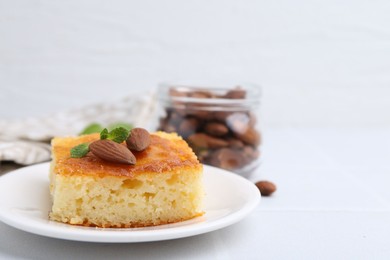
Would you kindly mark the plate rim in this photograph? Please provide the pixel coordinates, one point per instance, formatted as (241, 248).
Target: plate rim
(147, 234)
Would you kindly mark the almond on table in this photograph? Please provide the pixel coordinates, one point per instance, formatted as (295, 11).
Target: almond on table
(266, 187)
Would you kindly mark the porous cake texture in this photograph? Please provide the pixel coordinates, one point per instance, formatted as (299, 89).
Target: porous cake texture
(164, 186)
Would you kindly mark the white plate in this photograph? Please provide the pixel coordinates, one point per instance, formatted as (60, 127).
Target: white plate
(25, 204)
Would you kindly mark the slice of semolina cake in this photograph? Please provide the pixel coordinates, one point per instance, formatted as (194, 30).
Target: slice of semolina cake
(164, 186)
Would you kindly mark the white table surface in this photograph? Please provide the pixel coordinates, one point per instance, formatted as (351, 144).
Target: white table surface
(332, 202)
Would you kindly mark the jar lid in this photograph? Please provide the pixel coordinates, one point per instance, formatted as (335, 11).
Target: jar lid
(210, 96)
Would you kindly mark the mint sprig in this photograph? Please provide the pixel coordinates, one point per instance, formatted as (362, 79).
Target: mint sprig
(92, 128)
(120, 124)
(80, 150)
(104, 134)
(117, 135)
(97, 128)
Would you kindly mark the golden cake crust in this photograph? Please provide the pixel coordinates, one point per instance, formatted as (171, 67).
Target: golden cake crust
(166, 153)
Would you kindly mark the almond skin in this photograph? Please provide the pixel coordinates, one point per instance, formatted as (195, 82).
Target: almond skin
(251, 137)
(112, 152)
(216, 129)
(201, 140)
(237, 93)
(138, 140)
(266, 187)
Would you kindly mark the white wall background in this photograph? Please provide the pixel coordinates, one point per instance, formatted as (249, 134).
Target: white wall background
(321, 63)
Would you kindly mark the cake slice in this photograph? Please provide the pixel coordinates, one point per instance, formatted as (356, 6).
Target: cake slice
(164, 186)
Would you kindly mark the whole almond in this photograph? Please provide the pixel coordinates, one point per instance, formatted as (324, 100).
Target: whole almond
(251, 137)
(174, 92)
(250, 152)
(235, 143)
(221, 115)
(237, 93)
(202, 140)
(266, 187)
(111, 151)
(201, 94)
(216, 129)
(188, 126)
(198, 112)
(228, 159)
(138, 140)
(238, 122)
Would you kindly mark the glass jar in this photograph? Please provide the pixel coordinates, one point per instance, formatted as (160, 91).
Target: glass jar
(220, 123)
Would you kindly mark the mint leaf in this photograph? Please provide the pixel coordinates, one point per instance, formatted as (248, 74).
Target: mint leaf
(120, 124)
(80, 150)
(104, 134)
(91, 128)
(97, 128)
(118, 135)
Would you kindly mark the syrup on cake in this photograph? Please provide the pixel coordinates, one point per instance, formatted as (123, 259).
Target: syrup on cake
(164, 186)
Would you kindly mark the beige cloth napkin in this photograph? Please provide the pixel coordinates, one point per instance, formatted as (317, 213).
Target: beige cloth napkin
(27, 141)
